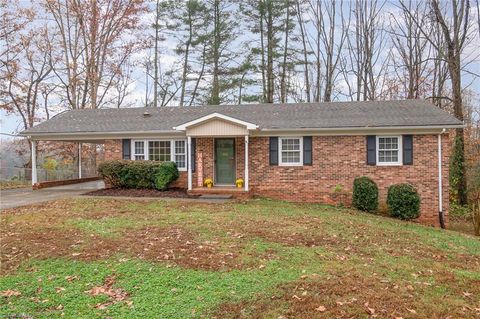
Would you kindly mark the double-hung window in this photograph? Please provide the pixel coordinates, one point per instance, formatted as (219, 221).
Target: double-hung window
(138, 150)
(290, 151)
(161, 151)
(389, 150)
(180, 152)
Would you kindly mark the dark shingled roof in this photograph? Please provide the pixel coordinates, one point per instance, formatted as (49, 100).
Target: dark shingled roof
(266, 116)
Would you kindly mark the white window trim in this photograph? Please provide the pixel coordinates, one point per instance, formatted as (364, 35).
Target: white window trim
(400, 151)
(146, 150)
(280, 163)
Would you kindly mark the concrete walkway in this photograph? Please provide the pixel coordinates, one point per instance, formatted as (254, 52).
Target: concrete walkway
(11, 198)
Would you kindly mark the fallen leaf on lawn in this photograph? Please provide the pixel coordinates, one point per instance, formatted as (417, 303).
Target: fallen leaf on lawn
(320, 308)
(59, 289)
(369, 310)
(412, 311)
(59, 307)
(71, 278)
(114, 294)
(10, 293)
(296, 297)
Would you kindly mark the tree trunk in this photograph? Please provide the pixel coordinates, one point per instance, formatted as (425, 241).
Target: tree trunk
(185, 62)
(305, 54)
(270, 78)
(155, 56)
(283, 87)
(215, 98)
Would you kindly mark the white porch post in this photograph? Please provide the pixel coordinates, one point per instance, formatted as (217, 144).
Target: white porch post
(79, 160)
(34, 162)
(246, 163)
(189, 162)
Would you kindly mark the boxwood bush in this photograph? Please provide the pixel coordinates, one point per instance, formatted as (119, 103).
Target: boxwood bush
(365, 194)
(403, 201)
(166, 174)
(138, 174)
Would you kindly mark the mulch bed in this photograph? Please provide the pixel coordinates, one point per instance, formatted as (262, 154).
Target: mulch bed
(173, 192)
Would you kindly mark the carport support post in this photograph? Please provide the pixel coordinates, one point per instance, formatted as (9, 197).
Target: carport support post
(246, 163)
(189, 162)
(34, 162)
(79, 160)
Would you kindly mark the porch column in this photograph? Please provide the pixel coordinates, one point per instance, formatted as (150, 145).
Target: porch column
(246, 163)
(189, 162)
(79, 160)
(34, 162)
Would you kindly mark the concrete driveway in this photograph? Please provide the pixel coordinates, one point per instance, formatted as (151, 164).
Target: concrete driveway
(10, 198)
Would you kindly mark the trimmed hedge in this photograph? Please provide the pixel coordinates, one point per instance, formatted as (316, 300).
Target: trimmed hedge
(365, 194)
(167, 173)
(403, 201)
(138, 174)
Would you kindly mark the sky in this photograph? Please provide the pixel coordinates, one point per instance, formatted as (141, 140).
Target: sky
(11, 124)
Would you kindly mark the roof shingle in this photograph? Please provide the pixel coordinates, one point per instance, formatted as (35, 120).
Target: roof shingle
(266, 116)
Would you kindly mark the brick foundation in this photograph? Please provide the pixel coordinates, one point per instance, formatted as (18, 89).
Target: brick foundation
(337, 160)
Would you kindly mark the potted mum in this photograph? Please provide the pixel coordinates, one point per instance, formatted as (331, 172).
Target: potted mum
(208, 182)
(239, 183)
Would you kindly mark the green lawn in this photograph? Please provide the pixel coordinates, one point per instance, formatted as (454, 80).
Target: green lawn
(99, 258)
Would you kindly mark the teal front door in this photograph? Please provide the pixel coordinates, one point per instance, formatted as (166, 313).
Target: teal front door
(225, 161)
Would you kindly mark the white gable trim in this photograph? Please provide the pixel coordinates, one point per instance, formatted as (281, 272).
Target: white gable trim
(249, 126)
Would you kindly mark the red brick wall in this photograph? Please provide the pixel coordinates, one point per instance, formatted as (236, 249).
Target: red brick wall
(337, 160)
(113, 150)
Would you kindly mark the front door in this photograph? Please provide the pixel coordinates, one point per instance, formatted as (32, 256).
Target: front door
(225, 161)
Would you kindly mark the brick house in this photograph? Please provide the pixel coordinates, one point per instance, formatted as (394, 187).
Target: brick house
(305, 152)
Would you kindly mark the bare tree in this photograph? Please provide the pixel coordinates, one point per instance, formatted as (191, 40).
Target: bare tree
(90, 40)
(454, 27)
(412, 50)
(365, 45)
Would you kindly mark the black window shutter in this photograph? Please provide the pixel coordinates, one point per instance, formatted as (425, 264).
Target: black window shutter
(407, 149)
(371, 150)
(192, 156)
(273, 150)
(307, 150)
(126, 149)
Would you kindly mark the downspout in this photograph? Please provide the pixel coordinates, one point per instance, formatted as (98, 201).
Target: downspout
(441, 216)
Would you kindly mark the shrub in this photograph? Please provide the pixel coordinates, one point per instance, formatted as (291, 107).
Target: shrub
(138, 174)
(457, 177)
(403, 201)
(111, 172)
(167, 173)
(365, 194)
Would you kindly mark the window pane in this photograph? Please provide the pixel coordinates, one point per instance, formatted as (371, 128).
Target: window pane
(180, 160)
(139, 147)
(180, 154)
(139, 157)
(290, 144)
(159, 151)
(179, 147)
(291, 157)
